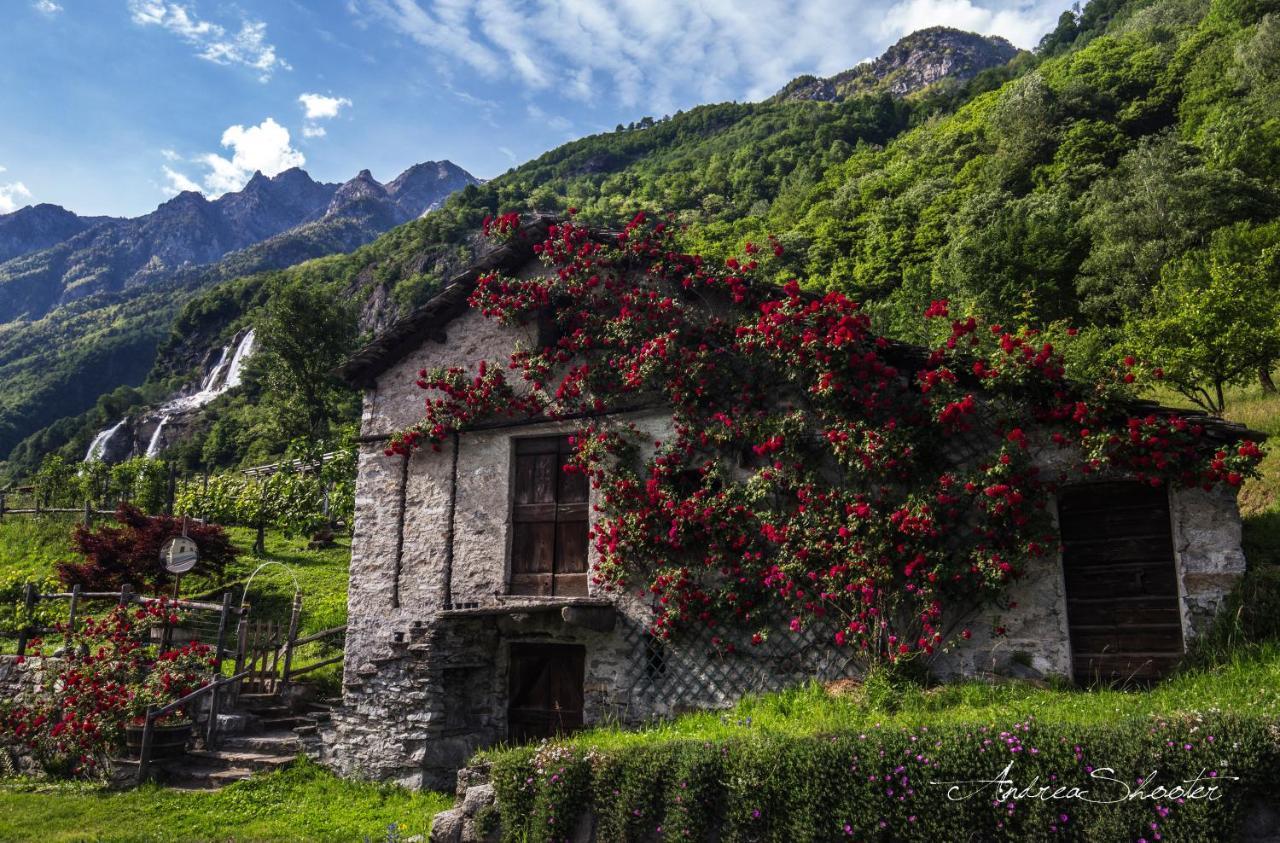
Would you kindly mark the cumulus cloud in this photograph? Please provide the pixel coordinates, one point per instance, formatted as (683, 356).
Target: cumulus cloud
(697, 51)
(320, 107)
(213, 42)
(266, 147)
(12, 195)
(47, 7)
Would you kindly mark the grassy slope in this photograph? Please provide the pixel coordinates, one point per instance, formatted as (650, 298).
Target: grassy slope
(1247, 685)
(302, 803)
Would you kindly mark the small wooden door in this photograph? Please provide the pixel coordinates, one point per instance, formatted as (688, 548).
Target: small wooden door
(1121, 582)
(545, 697)
(549, 518)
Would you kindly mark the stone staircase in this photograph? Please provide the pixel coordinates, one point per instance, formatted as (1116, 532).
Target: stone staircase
(266, 735)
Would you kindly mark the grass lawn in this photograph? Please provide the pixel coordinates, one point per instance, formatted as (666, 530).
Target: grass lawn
(1248, 684)
(301, 803)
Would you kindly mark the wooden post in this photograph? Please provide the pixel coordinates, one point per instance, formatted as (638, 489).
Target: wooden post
(293, 636)
(173, 487)
(222, 632)
(2, 506)
(28, 607)
(260, 543)
(88, 514)
(126, 594)
(71, 619)
(242, 641)
(144, 755)
(211, 728)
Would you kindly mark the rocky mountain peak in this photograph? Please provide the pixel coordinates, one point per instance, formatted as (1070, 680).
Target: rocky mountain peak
(37, 227)
(915, 62)
(422, 187)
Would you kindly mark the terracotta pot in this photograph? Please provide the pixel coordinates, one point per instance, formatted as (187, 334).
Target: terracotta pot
(166, 741)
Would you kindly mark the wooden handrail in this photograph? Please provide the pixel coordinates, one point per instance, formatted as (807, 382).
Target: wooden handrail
(316, 636)
(154, 714)
(298, 671)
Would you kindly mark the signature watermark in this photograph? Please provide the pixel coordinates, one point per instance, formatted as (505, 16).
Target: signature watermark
(1103, 788)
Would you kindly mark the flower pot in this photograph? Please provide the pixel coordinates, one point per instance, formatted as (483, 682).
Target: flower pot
(166, 741)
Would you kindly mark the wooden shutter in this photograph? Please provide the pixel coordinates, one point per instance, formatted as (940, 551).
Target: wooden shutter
(549, 518)
(545, 691)
(1121, 582)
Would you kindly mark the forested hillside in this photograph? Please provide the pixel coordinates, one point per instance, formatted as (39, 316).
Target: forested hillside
(1124, 180)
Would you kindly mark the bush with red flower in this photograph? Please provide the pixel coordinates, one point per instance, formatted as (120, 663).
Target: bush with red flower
(816, 471)
(105, 677)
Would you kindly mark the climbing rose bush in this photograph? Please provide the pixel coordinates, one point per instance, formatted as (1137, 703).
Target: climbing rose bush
(106, 677)
(816, 471)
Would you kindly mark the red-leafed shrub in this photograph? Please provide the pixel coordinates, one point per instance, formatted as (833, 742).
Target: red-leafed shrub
(129, 551)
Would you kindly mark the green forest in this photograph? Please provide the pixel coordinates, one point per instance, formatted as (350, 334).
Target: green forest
(1122, 181)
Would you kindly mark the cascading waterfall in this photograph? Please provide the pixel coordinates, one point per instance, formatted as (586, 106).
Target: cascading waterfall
(153, 447)
(236, 370)
(225, 375)
(99, 443)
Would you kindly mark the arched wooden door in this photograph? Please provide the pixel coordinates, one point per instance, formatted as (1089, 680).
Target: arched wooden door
(1121, 582)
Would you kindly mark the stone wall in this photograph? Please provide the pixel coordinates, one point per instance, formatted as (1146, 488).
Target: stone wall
(22, 680)
(1206, 544)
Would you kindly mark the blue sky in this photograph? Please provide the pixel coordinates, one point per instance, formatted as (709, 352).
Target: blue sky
(111, 106)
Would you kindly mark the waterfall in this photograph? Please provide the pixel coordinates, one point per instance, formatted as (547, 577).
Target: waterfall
(153, 447)
(234, 371)
(225, 375)
(99, 444)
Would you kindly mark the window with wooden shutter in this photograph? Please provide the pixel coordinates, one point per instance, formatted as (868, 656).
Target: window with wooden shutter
(549, 520)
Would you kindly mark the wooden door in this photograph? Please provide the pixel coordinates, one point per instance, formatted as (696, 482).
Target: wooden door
(545, 691)
(1121, 582)
(549, 518)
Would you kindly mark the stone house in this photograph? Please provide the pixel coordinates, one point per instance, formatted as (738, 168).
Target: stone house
(472, 618)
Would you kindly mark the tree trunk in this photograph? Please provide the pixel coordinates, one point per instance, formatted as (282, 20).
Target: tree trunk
(1264, 378)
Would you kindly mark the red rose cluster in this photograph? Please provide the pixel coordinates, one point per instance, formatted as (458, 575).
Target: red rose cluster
(815, 469)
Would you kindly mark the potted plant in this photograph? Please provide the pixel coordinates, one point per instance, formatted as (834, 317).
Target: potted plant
(174, 674)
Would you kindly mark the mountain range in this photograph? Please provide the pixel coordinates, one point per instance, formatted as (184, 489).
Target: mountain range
(85, 300)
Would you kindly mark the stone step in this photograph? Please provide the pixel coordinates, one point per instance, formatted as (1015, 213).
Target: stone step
(206, 778)
(265, 711)
(273, 724)
(227, 758)
(280, 742)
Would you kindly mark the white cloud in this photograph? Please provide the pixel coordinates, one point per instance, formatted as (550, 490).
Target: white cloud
(1024, 26)
(47, 7)
(11, 196)
(690, 52)
(266, 147)
(320, 107)
(248, 46)
(176, 182)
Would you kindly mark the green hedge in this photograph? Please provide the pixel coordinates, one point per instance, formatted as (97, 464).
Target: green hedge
(879, 784)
